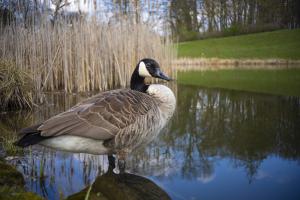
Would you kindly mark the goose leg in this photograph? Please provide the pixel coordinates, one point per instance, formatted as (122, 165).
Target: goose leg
(111, 162)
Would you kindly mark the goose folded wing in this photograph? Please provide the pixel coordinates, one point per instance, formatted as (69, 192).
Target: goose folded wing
(100, 117)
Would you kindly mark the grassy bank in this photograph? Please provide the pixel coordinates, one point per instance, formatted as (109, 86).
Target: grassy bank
(284, 44)
(281, 82)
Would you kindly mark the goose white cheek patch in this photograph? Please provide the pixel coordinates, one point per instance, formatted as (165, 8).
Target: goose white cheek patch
(143, 70)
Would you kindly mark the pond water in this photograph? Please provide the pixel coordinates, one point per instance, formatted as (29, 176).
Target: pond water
(220, 144)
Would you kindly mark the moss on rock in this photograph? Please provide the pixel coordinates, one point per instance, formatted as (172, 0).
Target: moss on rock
(9, 176)
(12, 184)
(125, 186)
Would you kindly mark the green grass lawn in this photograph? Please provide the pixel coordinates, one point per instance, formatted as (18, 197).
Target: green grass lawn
(278, 44)
(281, 82)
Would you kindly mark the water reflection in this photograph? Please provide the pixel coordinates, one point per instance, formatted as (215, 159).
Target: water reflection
(58, 174)
(213, 132)
(244, 127)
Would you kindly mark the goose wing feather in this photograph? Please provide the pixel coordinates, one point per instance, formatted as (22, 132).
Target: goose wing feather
(100, 117)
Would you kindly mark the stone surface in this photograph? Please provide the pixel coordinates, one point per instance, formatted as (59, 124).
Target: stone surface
(12, 184)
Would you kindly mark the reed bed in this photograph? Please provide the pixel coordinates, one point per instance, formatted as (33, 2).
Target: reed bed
(84, 55)
(188, 64)
(15, 87)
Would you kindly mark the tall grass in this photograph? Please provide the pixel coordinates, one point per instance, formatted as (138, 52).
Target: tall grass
(84, 55)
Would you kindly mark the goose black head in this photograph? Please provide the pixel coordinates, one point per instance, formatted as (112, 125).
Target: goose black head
(147, 67)
(150, 68)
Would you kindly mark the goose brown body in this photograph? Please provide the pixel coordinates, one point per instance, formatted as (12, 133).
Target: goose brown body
(111, 122)
(122, 115)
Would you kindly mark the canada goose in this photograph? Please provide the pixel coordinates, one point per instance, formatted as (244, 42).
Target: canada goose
(112, 122)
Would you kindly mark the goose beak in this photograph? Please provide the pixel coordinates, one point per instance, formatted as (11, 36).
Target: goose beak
(161, 75)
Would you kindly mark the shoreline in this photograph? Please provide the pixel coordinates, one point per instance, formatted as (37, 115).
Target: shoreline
(185, 64)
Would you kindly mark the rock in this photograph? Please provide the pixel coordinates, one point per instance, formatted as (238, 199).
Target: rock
(121, 186)
(9, 176)
(12, 184)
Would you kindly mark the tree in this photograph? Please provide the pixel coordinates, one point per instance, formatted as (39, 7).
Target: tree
(184, 19)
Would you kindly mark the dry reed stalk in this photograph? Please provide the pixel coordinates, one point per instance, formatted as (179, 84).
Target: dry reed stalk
(85, 56)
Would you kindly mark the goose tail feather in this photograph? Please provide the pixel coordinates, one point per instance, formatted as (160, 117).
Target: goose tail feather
(30, 136)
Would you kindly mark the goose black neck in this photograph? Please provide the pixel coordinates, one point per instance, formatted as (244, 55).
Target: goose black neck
(137, 82)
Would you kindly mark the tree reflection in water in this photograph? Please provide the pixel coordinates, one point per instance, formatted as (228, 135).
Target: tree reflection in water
(209, 125)
(212, 124)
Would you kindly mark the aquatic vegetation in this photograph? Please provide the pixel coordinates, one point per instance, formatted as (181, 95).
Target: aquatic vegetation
(15, 87)
(7, 140)
(8, 146)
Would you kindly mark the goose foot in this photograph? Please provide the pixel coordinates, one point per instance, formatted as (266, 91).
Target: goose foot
(121, 165)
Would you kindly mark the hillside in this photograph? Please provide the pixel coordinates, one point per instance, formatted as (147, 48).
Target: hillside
(284, 44)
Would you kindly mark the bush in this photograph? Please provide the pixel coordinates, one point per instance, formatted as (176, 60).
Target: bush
(15, 87)
(187, 35)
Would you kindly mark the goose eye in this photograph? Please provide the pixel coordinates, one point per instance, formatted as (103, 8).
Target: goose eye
(148, 67)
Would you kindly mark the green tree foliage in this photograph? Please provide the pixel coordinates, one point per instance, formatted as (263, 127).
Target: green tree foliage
(187, 19)
(183, 19)
(192, 19)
